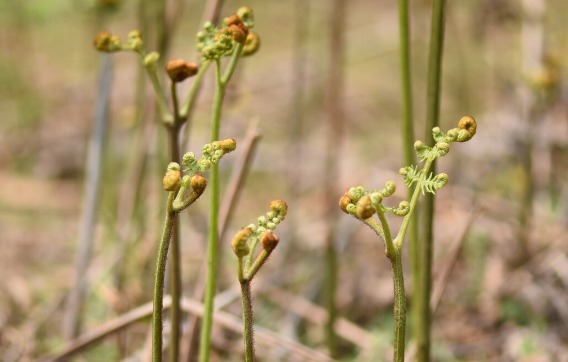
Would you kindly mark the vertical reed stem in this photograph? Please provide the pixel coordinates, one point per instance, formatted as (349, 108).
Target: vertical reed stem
(432, 120)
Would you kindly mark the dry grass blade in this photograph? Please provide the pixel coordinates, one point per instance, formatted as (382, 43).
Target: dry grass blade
(224, 319)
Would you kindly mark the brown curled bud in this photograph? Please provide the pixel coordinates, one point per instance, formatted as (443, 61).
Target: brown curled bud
(344, 201)
(279, 206)
(106, 42)
(228, 145)
(252, 44)
(468, 124)
(198, 184)
(171, 179)
(178, 70)
(269, 240)
(233, 20)
(239, 242)
(364, 208)
(238, 34)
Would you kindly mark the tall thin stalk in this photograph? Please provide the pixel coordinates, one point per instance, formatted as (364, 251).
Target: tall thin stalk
(175, 260)
(407, 128)
(426, 246)
(213, 232)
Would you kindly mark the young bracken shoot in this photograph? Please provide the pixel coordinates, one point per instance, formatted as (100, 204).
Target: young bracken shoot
(178, 200)
(364, 204)
(244, 244)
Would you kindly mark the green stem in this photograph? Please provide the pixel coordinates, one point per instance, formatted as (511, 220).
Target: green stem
(394, 253)
(413, 203)
(232, 64)
(387, 234)
(408, 140)
(258, 263)
(253, 243)
(175, 261)
(165, 114)
(432, 120)
(157, 324)
(406, 80)
(192, 95)
(247, 320)
(212, 242)
(399, 306)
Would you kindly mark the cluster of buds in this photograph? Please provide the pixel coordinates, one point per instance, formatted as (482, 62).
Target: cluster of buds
(107, 42)
(173, 182)
(363, 203)
(238, 29)
(214, 43)
(246, 240)
(212, 153)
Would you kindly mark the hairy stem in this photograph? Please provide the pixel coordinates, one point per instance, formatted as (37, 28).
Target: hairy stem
(399, 306)
(432, 120)
(394, 253)
(157, 323)
(247, 320)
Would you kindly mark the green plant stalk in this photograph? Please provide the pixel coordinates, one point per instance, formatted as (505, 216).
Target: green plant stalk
(258, 263)
(157, 323)
(192, 95)
(175, 259)
(247, 320)
(399, 306)
(212, 242)
(246, 300)
(426, 247)
(406, 80)
(165, 114)
(408, 140)
(394, 253)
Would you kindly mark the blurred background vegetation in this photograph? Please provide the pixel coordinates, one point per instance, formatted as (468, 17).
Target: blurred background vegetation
(505, 295)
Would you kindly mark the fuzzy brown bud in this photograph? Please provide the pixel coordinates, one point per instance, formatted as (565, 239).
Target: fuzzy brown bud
(364, 208)
(239, 242)
(198, 184)
(233, 20)
(269, 240)
(468, 124)
(179, 70)
(228, 145)
(279, 206)
(106, 42)
(238, 34)
(171, 179)
(344, 201)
